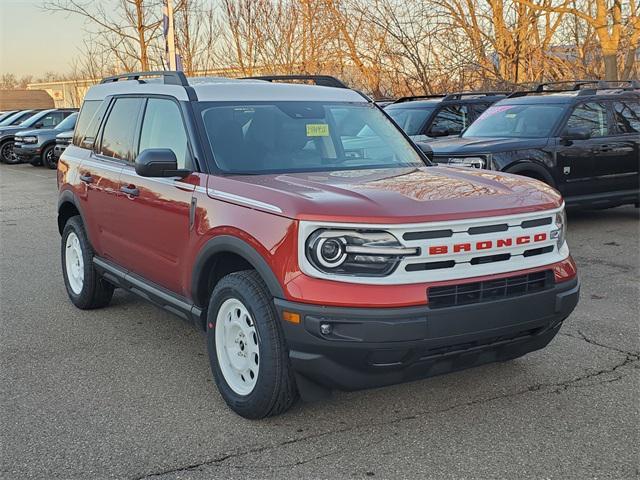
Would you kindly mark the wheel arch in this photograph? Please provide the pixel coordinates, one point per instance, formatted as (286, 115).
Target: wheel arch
(230, 254)
(529, 166)
(68, 207)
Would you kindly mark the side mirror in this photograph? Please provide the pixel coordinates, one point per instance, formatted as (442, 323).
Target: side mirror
(426, 149)
(38, 125)
(439, 132)
(577, 134)
(159, 162)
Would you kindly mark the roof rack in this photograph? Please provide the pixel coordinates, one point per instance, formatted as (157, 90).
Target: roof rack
(577, 86)
(169, 77)
(321, 80)
(448, 96)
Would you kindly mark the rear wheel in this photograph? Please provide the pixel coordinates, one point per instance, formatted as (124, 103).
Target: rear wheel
(48, 159)
(86, 289)
(248, 355)
(6, 153)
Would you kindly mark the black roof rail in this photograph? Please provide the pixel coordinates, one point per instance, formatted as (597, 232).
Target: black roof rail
(409, 98)
(169, 77)
(577, 86)
(321, 80)
(459, 95)
(448, 96)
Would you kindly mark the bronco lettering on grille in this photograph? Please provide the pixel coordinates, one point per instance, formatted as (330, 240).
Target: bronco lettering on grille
(487, 244)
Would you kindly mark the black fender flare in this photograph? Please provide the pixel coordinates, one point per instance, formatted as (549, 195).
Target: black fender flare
(530, 166)
(230, 244)
(67, 196)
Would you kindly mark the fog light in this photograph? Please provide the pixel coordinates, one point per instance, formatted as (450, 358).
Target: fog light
(325, 328)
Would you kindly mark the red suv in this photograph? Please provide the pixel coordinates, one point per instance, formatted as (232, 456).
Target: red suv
(311, 240)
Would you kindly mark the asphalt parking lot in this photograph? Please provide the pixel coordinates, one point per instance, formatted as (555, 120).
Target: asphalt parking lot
(126, 392)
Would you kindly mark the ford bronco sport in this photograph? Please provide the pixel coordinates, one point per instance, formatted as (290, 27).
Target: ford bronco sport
(303, 232)
(583, 140)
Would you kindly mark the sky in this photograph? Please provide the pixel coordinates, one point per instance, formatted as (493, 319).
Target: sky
(34, 41)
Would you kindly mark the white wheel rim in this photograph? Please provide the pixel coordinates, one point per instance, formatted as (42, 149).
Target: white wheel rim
(74, 263)
(237, 346)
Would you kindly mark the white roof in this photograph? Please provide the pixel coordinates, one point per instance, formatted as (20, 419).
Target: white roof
(225, 89)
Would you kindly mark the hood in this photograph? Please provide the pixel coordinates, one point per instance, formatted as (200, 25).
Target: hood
(41, 132)
(12, 129)
(483, 145)
(396, 195)
(65, 134)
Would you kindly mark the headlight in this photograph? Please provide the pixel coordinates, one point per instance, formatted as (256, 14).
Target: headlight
(475, 162)
(560, 233)
(351, 252)
(29, 139)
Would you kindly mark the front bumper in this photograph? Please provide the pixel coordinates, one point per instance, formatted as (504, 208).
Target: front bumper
(26, 152)
(370, 347)
(58, 149)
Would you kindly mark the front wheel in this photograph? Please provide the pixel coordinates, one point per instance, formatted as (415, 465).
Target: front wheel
(248, 355)
(6, 153)
(85, 287)
(48, 158)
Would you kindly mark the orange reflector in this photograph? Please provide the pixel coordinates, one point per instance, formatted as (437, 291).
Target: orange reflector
(291, 317)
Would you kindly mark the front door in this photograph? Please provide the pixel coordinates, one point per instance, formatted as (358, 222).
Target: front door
(154, 213)
(578, 160)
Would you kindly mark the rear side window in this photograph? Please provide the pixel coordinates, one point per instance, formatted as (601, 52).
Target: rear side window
(117, 136)
(162, 127)
(591, 116)
(627, 116)
(82, 131)
(453, 119)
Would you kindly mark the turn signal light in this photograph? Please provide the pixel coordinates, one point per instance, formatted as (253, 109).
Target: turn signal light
(291, 317)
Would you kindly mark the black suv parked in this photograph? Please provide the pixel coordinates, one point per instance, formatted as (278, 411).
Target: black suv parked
(584, 141)
(426, 117)
(38, 120)
(37, 146)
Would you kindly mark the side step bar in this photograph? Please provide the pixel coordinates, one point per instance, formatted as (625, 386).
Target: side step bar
(151, 292)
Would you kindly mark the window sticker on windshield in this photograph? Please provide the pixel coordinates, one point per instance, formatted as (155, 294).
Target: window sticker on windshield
(510, 115)
(317, 130)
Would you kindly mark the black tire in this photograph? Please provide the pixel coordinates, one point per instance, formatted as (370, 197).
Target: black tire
(6, 153)
(96, 292)
(275, 389)
(48, 158)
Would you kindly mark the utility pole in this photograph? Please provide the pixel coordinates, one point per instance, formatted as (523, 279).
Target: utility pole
(170, 36)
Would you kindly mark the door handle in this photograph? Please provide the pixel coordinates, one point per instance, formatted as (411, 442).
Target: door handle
(86, 178)
(130, 190)
(606, 148)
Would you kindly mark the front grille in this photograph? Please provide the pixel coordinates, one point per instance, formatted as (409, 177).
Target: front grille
(478, 292)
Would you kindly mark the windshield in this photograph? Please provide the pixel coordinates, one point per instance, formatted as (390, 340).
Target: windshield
(5, 115)
(411, 120)
(68, 123)
(28, 121)
(528, 121)
(280, 137)
(16, 118)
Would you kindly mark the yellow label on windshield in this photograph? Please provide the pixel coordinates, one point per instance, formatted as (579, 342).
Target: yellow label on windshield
(317, 130)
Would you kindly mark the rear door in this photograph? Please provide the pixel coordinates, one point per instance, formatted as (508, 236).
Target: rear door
(154, 213)
(100, 172)
(625, 146)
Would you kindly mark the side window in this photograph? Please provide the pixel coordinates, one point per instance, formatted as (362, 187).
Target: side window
(591, 116)
(627, 116)
(162, 127)
(478, 109)
(83, 136)
(51, 119)
(117, 136)
(453, 118)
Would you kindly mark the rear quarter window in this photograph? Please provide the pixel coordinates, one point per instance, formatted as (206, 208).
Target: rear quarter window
(86, 128)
